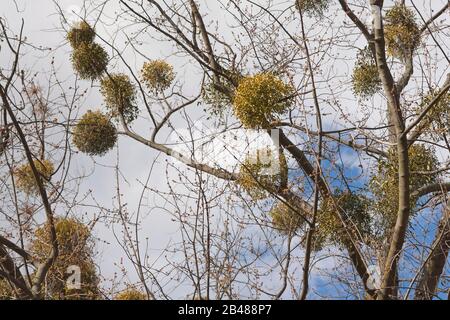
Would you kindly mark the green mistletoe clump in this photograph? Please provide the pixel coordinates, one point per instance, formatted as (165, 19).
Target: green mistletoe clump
(81, 33)
(25, 179)
(120, 96)
(157, 75)
(401, 31)
(365, 79)
(312, 7)
(261, 99)
(75, 246)
(131, 294)
(94, 134)
(285, 219)
(90, 60)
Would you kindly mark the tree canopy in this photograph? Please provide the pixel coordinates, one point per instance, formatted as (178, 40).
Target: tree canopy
(282, 149)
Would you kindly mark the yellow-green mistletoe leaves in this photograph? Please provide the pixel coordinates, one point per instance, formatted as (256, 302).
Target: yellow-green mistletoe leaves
(75, 246)
(423, 164)
(260, 99)
(81, 33)
(89, 60)
(120, 96)
(131, 294)
(157, 75)
(401, 31)
(285, 219)
(72, 237)
(365, 79)
(353, 209)
(261, 173)
(436, 121)
(384, 185)
(25, 179)
(94, 134)
(312, 7)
